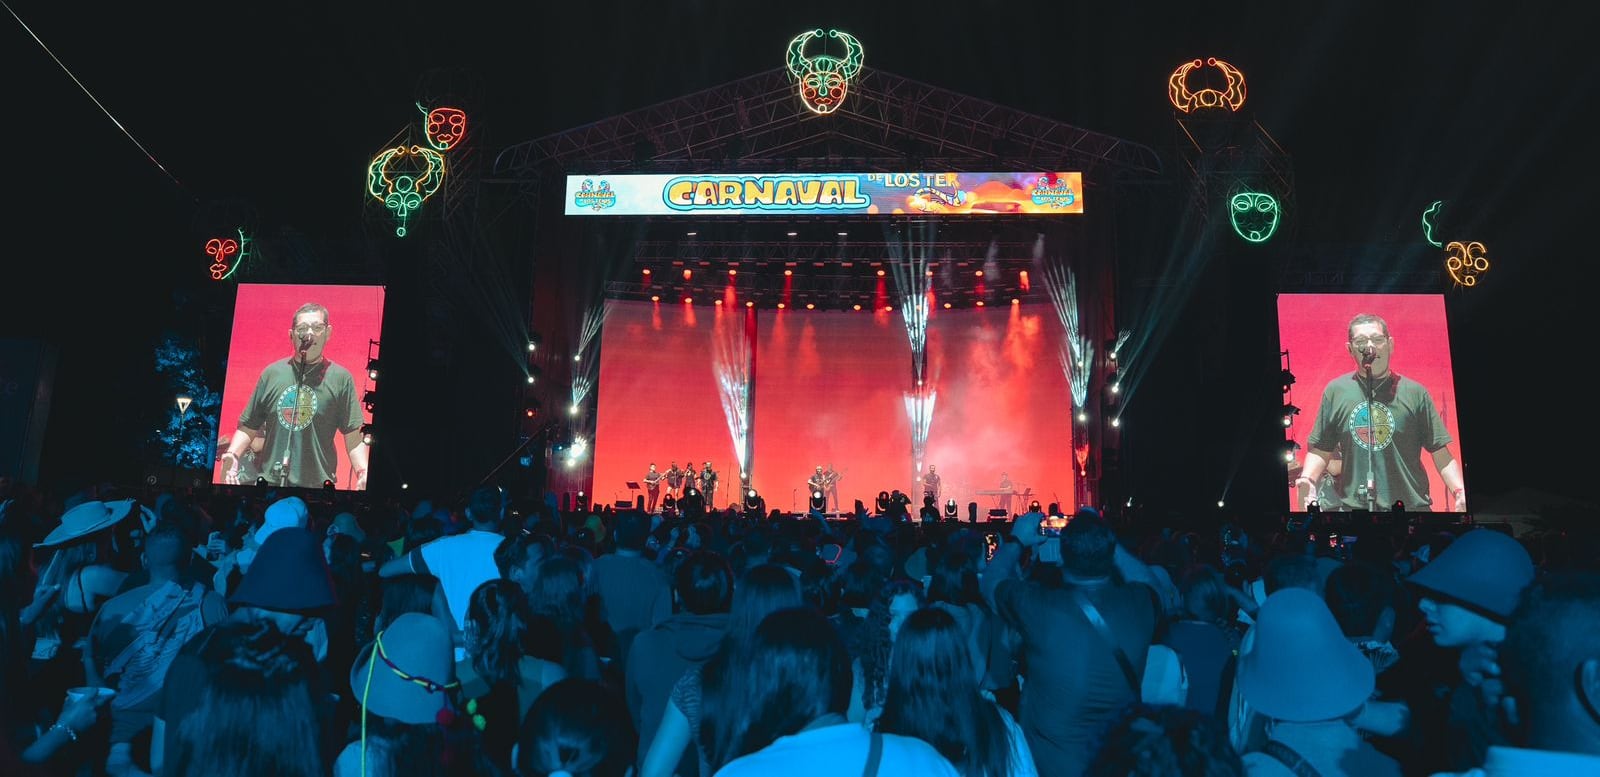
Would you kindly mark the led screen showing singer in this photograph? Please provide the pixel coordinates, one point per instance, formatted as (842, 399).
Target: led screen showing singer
(292, 409)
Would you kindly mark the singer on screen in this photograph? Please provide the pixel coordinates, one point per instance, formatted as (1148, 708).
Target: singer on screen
(299, 405)
(1382, 422)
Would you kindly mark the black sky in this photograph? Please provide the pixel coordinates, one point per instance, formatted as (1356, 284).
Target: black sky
(1384, 107)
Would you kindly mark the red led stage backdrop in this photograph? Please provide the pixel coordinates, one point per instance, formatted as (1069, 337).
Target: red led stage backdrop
(1003, 407)
(659, 400)
(829, 389)
(1412, 416)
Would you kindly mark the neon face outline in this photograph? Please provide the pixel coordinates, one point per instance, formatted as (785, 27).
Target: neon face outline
(444, 127)
(1254, 215)
(1465, 261)
(221, 249)
(824, 80)
(402, 178)
(1184, 100)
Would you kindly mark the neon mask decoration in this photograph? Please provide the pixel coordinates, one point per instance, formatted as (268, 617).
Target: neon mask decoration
(1427, 222)
(824, 80)
(1465, 262)
(221, 250)
(1254, 215)
(445, 127)
(1184, 100)
(404, 177)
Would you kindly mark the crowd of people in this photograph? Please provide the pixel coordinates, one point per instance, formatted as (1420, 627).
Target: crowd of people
(255, 632)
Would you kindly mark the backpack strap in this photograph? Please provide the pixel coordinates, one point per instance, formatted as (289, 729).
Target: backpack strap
(1287, 756)
(1098, 621)
(874, 756)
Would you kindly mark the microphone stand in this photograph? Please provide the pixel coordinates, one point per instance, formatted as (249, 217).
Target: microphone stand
(1372, 452)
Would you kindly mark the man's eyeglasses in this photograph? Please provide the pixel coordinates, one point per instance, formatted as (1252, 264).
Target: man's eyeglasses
(306, 329)
(1377, 341)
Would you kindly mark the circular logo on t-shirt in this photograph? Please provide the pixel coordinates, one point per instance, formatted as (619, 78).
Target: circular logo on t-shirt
(1372, 426)
(297, 405)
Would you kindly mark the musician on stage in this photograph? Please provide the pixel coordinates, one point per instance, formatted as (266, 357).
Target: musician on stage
(930, 483)
(675, 481)
(1007, 488)
(708, 486)
(830, 481)
(652, 488)
(817, 483)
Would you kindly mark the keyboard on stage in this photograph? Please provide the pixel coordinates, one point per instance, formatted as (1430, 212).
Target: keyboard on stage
(996, 492)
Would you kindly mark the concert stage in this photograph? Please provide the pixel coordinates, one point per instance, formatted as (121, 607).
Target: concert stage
(831, 388)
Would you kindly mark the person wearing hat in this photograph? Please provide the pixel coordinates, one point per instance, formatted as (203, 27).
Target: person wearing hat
(404, 680)
(1466, 596)
(288, 584)
(1310, 682)
(1551, 658)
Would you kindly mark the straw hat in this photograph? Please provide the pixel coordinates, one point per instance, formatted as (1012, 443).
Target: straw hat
(86, 519)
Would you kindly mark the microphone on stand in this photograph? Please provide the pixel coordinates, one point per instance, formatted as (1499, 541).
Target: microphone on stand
(1368, 354)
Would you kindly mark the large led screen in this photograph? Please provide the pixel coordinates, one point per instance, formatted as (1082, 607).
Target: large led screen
(292, 407)
(805, 389)
(1377, 403)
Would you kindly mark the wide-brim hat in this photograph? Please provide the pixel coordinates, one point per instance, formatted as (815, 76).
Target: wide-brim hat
(86, 519)
(1483, 569)
(407, 672)
(288, 574)
(1302, 668)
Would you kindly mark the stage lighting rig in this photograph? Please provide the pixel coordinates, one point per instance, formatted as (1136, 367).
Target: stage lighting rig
(951, 509)
(366, 434)
(1289, 412)
(817, 502)
(1286, 378)
(752, 500)
(372, 369)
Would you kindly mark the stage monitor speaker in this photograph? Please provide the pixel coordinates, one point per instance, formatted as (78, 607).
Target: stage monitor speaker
(638, 503)
(622, 504)
(972, 512)
(998, 512)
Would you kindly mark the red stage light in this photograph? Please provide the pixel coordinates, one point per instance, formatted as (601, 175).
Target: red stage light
(749, 304)
(686, 273)
(688, 300)
(980, 303)
(788, 272)
(888, 308)
(979, 273)
(857, 307)
(1023, 279)
(930, 273)
(647, 271)
(946, 306)
(880, 273)
(781, 306)
(1016, 301)
(655, 298)
(733, 272)
(810, 306)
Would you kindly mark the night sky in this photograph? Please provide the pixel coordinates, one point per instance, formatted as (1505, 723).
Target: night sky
(1384, 107)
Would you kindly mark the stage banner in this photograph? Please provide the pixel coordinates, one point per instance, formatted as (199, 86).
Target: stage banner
(790, 194)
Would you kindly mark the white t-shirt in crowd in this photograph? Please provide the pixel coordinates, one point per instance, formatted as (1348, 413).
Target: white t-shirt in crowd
(839, 749)
(462, 563)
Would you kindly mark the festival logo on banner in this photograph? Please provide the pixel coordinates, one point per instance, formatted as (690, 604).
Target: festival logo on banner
(1053, 193)
(595, 197)
(788, 194)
